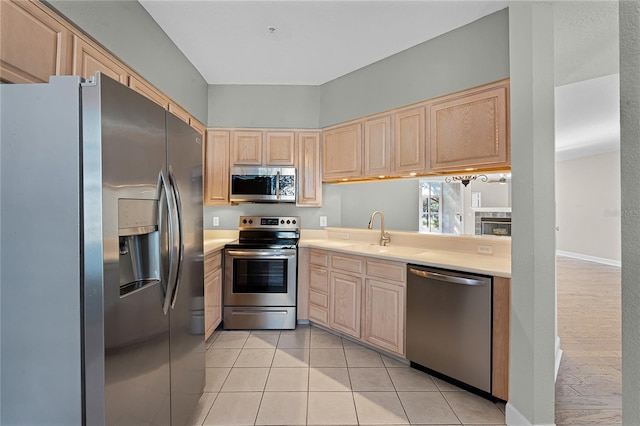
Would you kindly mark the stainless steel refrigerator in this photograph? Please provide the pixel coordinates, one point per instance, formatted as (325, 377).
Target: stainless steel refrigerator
(101, 263)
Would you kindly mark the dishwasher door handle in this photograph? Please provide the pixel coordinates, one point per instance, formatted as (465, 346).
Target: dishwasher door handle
(446, 278)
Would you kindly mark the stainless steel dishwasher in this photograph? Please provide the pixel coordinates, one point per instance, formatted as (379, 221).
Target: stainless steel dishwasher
(449, 324)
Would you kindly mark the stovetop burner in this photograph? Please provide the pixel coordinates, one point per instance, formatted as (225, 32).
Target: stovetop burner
(268, 232)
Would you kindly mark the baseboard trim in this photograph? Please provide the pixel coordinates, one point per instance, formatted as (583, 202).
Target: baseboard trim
(558, 357)
(514, 418)
(603, 260)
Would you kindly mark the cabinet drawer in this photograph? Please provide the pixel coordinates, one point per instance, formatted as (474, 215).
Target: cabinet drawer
(346, 263)
(320, 258)
(212, 261)
(319, 279)
(319, 299)
(392, 271)
(319, 315)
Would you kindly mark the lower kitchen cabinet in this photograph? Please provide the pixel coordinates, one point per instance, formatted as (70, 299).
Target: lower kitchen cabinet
(212, 292)
(319, 295)
(345, 301)
(359, 296)
(384, 311)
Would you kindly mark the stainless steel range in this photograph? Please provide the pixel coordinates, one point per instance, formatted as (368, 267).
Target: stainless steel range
(260, 274)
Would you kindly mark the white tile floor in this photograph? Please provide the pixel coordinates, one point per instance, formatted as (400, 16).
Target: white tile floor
(309, 376)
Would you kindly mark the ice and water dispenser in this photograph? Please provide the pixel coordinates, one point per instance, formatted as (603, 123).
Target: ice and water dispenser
(139, 240)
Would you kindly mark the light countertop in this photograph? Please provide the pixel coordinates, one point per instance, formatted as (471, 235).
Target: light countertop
(449, 252)
(476, 263)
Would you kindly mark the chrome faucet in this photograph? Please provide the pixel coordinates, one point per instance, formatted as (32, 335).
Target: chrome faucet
(384, 236)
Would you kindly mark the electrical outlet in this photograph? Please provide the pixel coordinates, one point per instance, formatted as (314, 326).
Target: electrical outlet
(323, 221)
(216, 221)
(485, 249)
(344, 236)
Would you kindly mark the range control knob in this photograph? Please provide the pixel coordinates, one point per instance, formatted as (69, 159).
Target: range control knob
(244, 221)
(281, 221)
(250, 221)
(293, 221)
(288, 221)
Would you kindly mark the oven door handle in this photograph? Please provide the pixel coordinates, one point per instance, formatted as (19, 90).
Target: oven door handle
(273, 254)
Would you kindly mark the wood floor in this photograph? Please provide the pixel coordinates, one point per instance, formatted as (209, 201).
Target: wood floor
(589, 384)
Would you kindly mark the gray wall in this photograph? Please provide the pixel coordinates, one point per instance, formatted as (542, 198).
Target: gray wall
(588, 206)
(126, 29)
(264, 106)
(533, 275)
(474, 54)
(396, 199)
(309, 217)
(629, 160)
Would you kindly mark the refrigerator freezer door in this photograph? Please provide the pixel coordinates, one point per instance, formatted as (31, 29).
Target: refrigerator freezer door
(126, 332)
(187, 311)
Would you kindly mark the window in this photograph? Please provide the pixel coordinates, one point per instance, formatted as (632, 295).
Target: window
(441, 207)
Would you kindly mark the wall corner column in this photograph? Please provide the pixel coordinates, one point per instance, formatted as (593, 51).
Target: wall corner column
(629, 14)
(533, 311)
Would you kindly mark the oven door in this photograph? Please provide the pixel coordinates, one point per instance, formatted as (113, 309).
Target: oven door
(260, 277)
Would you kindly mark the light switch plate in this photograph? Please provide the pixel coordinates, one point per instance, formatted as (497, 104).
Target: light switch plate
(323, 221)
(216, 221)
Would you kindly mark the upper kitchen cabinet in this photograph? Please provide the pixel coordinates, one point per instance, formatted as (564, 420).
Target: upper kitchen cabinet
(147, 90)
(409, 141)
(179, 112)
(199, 127)
(216, 168)
(263, 148)
(246, 148)
(377, 147)
(470, 129)
(280, 148)
(309, 172)
(342, 152)
(88, 58)
(34, 44)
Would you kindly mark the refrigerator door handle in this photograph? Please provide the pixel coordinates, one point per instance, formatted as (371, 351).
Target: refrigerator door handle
(180, 254)
(173, 265)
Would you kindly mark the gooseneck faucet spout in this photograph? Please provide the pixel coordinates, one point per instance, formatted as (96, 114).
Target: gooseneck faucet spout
(384, 236)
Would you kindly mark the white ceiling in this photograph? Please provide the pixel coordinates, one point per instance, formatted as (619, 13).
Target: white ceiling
(315, 41)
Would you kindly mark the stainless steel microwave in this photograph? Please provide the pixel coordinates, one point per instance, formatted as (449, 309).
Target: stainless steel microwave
(263, 184)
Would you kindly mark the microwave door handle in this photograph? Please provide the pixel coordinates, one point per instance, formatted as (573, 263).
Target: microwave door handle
(278, 184)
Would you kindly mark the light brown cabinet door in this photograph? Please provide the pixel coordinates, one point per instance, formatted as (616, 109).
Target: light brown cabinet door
(246, 148)
(470, 130)
(345, 301)
(87, 59)
(147, 90)
(33, 44)
(342, 152)
(410, 142)
(308, 169)
(384, 315)
(213, 301)
(318, 297)
(280, 148)
(216, 168)
(377, 147)
(199, 127)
